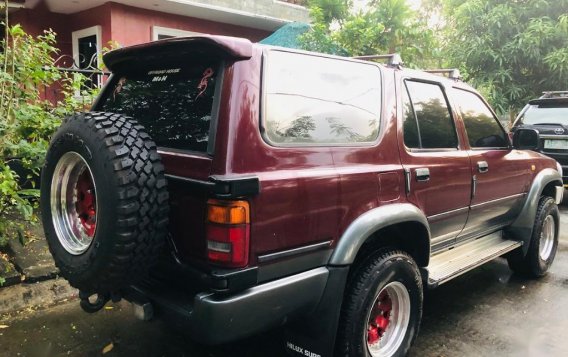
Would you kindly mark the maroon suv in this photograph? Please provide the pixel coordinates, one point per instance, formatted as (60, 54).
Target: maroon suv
(232, 187)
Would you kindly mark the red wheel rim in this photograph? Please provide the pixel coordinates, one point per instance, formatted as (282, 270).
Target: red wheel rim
(387, 320)
(73, 201)
(86, 204)
(380, 318)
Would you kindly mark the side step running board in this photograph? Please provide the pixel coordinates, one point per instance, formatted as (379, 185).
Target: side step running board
(454, 262)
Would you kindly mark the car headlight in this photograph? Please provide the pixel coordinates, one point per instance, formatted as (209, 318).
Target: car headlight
(559, 168)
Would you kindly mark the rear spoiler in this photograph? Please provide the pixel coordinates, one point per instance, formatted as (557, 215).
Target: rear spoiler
(222, 47)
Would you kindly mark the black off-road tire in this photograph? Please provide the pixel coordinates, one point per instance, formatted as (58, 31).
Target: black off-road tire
(366, 281)
(132, 201)
(532, 265)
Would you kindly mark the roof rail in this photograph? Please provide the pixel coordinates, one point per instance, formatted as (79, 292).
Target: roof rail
(453, 73)
(555, 94)
(394, 59)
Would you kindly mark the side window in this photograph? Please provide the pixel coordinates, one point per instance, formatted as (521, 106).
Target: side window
(311, 100)
(410, 125)
(482, 127)
(428, 123)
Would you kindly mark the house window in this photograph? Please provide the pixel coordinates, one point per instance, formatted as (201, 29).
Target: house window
(161, 33)
(86, 47)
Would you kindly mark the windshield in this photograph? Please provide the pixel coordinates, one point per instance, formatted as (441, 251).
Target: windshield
(174, 102)
(545, 115)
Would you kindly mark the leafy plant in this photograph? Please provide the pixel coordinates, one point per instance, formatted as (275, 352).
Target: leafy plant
(383, 26)
(513, 51)
(27, 120)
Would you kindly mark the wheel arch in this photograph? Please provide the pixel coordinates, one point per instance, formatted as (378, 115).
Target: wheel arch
(547, 182)
(400, 225)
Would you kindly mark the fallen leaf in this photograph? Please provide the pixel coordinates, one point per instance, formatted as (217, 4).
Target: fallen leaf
(4, 326)
(108, 348)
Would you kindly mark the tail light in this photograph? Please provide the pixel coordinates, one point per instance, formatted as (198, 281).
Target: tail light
(228, 231)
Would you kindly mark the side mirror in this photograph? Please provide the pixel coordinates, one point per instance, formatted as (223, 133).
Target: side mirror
(526, 139)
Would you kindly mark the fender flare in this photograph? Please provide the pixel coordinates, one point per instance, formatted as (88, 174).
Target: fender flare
(370, 222)
(522, 228)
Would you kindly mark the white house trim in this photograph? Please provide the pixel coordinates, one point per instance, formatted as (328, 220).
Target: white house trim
(89, 31)
(166, 31)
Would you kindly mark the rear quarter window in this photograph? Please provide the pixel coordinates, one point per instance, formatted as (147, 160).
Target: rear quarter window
(310, 100)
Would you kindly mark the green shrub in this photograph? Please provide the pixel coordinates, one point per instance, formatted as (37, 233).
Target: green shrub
(27, 121)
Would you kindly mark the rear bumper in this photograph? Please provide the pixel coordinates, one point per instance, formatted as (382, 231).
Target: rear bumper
(215, 318)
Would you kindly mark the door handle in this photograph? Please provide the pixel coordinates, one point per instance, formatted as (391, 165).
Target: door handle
(422, 174)
(482, 166)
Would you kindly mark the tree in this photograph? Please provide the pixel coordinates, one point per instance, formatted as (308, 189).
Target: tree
(511, 50)
(383, 26)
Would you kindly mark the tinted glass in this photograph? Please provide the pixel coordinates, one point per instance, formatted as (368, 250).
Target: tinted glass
(435, 124)
(315, 100)
(174, 103)
(545, 114)
(410, 126)
(481, 126)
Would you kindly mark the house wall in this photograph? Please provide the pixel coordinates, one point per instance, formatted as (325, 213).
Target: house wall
(124, 24)
(132, 25)
(35, 21)
(121, 23)
(100, 15)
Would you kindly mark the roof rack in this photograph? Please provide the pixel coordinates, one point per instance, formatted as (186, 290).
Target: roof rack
(555, 94)
(394, 59)
(453, 73)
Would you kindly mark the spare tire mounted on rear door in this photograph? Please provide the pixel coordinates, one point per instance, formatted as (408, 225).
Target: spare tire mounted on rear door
(104, 201)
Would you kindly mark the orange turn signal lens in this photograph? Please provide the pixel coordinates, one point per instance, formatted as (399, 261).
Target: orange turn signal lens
(228, 212)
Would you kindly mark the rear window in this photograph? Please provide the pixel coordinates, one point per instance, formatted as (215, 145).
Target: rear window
(174, 102)
(545, 114)
(310, 100)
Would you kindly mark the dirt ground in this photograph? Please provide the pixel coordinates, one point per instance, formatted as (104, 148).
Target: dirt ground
(487, 312)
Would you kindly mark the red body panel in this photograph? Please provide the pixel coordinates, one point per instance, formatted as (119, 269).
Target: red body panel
(312, 194)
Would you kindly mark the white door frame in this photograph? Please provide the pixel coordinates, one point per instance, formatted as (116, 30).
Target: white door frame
(89, 31)
(159, 30)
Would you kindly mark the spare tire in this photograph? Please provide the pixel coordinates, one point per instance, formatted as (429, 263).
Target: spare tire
(104, 201)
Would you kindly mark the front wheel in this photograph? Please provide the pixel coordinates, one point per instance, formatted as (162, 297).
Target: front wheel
(383, 307)
(543, 244)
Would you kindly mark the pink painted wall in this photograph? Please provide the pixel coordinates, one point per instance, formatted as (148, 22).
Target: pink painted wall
(100, 15)
(124, 24)
(131, 25)
(35, 21)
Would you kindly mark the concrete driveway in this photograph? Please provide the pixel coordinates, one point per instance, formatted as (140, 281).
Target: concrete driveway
(487, 312)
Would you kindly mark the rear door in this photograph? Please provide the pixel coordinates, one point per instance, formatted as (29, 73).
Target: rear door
(501, 175)
(176, 99)
(438, 174)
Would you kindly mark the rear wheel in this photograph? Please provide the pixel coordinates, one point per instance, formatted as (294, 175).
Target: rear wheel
(103, 201)
(382, 308)
(543, 243)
